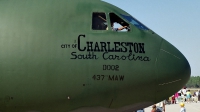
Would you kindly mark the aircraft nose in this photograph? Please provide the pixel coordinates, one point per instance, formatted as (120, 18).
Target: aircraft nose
(172, 71)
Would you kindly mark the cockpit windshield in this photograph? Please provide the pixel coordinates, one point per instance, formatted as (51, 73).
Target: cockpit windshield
(134, 22)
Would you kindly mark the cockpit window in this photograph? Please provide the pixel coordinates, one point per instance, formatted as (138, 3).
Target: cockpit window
(99, 21)
(134, 22)
(121, 24)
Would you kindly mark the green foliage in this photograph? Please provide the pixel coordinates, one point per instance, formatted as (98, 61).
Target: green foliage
(194, 82)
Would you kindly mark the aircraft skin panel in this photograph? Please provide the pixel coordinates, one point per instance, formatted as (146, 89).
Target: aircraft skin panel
(171, 68)
(51, 60)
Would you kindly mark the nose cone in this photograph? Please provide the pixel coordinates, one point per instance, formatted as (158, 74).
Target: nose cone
(172, 71)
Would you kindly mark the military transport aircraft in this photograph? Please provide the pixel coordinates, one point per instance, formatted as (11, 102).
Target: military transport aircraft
(63, 55)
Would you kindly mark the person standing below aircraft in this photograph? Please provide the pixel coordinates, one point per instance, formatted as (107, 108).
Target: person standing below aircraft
(160, 106)
(153, 108)
(183, 91)
(179, 92)
(176, 95)
(199, 96)
(173, 101)
(188, 96)
(182, 107)
(117, 29)
(194, 98)
(197, 93)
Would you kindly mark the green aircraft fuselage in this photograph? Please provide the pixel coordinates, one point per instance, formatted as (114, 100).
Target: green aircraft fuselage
(55, 56)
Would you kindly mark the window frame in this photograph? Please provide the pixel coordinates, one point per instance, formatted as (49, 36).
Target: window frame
(93, 25)
(119, 16)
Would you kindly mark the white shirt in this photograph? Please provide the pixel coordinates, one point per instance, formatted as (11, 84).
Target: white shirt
(197, 93)
(179, 91)
(184, 91)
(183, 109)
(160, 104)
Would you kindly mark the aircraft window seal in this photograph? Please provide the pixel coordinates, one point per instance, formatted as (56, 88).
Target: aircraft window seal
(99, 21)
(118, 24)
(135, 22)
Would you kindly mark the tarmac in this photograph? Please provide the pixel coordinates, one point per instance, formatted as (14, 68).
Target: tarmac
(190, 107)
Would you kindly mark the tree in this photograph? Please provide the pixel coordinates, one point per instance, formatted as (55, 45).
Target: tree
(194, 81)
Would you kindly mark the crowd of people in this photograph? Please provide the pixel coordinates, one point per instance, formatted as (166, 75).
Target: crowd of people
(184, 95)
(158, 108)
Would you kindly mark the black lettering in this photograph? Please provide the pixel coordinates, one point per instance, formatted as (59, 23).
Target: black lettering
(146, 58)
(104, 67)
(130, 44)
(135, 47)
(111, 67)
(121, 77)
(123, 45)
(141, 48)
(63, 46)
(111, 78)
(123, 57)
(79, 43)
(104, 55)
(103, 47)
(109, 49)
(73, 45)
(89, 46)
(94, 77)
(111, 57)
(96, 49)
(116, 78)
(117, 67)
(102, 77)
(98, 77)
(94, 56)
(117, 44)
(139, 58)
(82, 56)
(74, 54)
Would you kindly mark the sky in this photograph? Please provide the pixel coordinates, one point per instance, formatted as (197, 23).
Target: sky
(177, 21)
